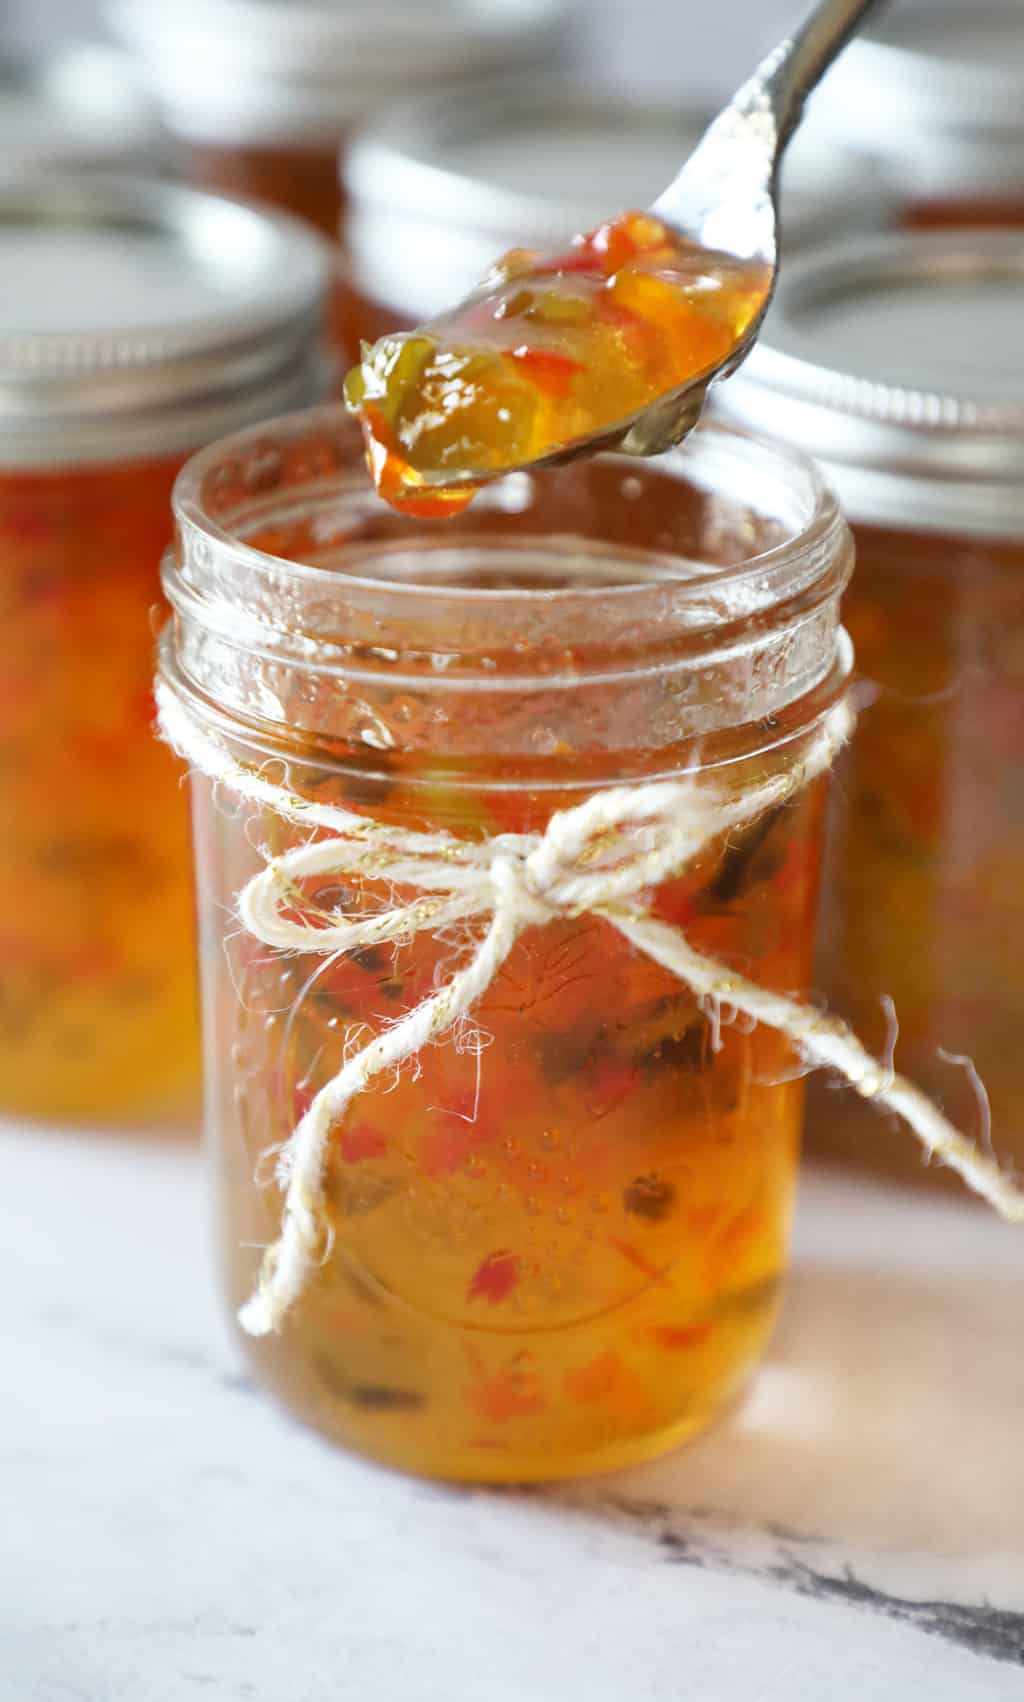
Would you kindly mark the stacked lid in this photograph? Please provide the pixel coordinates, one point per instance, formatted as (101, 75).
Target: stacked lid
(293, 71)
(141, 319)
(899, 364)
(441, 185)
(81, 107)
(937, 91)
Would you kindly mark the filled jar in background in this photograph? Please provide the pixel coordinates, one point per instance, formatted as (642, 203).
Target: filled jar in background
(262, 96)
(137, 321)
(933, 94)
(75, 109)
(901, 365)
(554, 1239)
(438, 186)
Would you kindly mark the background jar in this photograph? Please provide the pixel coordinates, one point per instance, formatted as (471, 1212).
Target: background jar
(902, 364)
(933, 94)
(439, 186)
(76, 109)
(137, 321)
(557, 1243)
(261, 95)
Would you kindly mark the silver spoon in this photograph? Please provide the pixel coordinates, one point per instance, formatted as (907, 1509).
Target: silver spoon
(726, 198)
(725, 201)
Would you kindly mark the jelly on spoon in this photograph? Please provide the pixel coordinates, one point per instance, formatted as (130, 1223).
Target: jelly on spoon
(613, 342)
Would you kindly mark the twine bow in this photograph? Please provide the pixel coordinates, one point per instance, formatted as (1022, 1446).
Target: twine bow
(606, 857)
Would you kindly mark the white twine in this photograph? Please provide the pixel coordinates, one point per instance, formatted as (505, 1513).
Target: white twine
(606, 857)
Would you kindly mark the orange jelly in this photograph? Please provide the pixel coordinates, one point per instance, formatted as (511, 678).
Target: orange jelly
(97, 1000)
(904, 373)
(165, 312)
(556, 1236)
(550, 350)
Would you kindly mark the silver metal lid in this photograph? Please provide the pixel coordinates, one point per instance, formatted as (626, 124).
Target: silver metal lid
(440, 185)
(138, 319)
(80, 107)
(937, 89)
(293, 71)
(899, 364)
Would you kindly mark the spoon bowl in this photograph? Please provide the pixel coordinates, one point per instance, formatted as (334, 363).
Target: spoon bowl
(535, 368)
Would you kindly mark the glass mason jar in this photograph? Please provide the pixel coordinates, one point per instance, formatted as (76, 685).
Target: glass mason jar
(933, 94)
(440, 185)
(138, 322)
(902, 364)
(262, 95)
(556, 1236)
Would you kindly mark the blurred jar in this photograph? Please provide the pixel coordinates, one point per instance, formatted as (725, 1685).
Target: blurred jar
(440, 186)
(74, 109)
(935, 94)
(558, 1248)
(261, 95)
(901, 365)
(136, 321)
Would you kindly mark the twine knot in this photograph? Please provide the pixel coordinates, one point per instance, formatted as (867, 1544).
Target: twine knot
(515, 889)
(604, 858)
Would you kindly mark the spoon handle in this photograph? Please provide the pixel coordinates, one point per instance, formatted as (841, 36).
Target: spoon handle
(724, 197)
(783, 81)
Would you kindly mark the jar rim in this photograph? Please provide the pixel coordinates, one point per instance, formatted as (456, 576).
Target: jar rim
(822, 524)
(306, 641)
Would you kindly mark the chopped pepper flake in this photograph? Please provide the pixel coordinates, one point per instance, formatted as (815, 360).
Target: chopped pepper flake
(495, 1278)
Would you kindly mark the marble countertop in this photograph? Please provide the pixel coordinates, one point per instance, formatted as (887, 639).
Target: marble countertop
(854, 1530)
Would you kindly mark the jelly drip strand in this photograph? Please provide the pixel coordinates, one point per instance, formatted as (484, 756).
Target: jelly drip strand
(605, 858)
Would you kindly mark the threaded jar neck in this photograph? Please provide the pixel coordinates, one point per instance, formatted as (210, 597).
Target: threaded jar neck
(614, 609)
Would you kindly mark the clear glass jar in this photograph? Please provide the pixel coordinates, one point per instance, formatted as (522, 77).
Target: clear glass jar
(138, 321)
(901, 364)
(438, 186)
(933, 94)
(556, 1241)
(262, 96)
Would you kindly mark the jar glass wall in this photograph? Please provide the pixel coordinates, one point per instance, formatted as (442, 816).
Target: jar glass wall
(557, 1235)
(145, 342)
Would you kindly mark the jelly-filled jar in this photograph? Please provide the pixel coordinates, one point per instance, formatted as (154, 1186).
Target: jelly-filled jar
(933, 95)
(438, 185)
(137, 321)
(550, 1239)
(902, 364)
(263, 96)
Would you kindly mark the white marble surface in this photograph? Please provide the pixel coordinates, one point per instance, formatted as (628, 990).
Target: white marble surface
(855, 1530)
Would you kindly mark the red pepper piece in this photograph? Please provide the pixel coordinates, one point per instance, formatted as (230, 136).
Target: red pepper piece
(594, 1381)
(362, 1141)
(637, 1260)
(496, 1278)
(610, 1081)
(512, 1392)
(676, 1338)
(549, 372)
